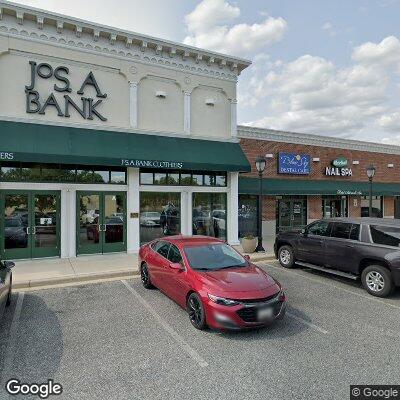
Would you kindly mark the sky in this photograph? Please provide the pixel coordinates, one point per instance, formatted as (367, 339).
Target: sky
(324, 67)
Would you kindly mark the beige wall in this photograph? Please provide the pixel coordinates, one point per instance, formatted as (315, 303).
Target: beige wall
(216, 117)
(160, 114)
(114, 76)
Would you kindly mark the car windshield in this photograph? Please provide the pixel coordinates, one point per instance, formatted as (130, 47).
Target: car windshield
(12, 222)
(213, 257)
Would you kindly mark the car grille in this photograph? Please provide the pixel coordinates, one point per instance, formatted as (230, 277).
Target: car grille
(249, 314)
(264, 300)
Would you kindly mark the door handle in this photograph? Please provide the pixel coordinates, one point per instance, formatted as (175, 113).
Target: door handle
(28, 232)
(34, 230)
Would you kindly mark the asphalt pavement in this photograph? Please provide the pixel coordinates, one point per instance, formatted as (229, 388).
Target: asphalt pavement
(116, 340)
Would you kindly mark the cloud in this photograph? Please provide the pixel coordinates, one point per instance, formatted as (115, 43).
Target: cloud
(311, 94)
(386, 52)
(211, 26)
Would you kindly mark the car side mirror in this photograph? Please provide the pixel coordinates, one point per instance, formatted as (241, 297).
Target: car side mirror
(303, 232)
(176, 266)
(246, 257)
(8, 264)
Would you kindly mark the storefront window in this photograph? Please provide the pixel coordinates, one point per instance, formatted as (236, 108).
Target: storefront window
(160, 215)
(334, 206)
(186, 179)
(25, 172)
(377, 206)
(220, 180)
(101, 176)
(118, 177)
(182, 178)
(160, 178)
(209, 215)
(291, 213)
(247, 215)
(197, 179)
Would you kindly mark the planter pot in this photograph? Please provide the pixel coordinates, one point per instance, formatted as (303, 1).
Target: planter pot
(249, 245)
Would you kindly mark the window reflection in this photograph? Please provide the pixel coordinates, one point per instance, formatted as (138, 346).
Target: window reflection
(247, 214)
(160, 215)
(209, 215)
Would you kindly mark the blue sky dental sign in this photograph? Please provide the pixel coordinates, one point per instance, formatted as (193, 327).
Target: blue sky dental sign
(339, 168)
(297, 164)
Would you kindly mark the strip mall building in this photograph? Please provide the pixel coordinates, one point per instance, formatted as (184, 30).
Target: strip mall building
(109, 139)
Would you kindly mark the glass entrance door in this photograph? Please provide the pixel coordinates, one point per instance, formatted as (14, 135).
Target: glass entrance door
(334, 207)
(101, 222)
(30, 224)
(292, 214)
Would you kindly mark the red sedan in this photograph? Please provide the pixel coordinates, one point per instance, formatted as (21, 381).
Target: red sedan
(217, 286)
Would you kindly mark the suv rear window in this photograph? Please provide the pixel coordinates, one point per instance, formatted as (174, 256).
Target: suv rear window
(387, 235)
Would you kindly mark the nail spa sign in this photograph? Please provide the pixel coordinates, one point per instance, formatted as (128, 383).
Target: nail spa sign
(63, 103)
(339, 168)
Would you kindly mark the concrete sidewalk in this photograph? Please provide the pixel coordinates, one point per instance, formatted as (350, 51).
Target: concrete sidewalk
(55, 271)
(58, 271)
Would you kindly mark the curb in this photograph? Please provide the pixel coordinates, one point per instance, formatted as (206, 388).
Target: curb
(263, 258)
(75, 278)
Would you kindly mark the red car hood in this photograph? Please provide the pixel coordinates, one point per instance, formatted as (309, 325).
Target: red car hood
(241, 279)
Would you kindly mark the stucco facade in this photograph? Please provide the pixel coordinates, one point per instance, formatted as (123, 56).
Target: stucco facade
(59, 72)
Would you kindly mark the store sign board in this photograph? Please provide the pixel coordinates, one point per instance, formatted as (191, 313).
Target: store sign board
(349, 192)
(340, 162)
(62, 103)
(151, 164)
(6, 156)
(296, 164)
(339, 168)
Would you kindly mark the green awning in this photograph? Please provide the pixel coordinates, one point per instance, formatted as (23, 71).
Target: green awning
(28, 142)
(283, 187)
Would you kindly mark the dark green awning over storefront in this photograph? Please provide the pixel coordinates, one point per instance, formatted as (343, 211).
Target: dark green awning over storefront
(283, 187)
(28, 142)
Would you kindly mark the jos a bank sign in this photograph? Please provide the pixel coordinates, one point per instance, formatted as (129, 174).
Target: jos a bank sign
(87, 107)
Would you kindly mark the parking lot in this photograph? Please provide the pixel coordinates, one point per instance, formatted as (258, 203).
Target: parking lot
(116, 340)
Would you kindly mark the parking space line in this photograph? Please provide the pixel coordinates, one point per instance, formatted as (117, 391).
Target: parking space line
(178, 338)
(10, 349)
(305, 322)
(368, 297)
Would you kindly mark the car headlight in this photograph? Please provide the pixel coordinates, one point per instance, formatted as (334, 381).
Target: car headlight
(222, 300)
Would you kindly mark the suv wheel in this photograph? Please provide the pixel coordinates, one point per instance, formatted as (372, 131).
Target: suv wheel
(377, 280)
(286, 256)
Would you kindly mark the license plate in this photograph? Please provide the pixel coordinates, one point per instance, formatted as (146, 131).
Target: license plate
(264, 314)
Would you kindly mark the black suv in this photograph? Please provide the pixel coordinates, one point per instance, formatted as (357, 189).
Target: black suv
(351, 247)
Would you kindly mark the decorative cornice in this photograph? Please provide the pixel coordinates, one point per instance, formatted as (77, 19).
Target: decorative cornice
(40, 25)
(248, 132)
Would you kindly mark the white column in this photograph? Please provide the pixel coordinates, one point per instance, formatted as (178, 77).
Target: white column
(65, 228)
(132, 209)
(233, 206)
(71, 195)
(234, 118)
(186, 213)
(133, 106)
(186, 112)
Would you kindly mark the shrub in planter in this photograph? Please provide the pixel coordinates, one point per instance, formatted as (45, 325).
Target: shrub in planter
(249, 243)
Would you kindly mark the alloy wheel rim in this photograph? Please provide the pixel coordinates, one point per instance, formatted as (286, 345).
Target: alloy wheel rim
(195, 312)
(285, 256)
(144, 275)
(375, 281)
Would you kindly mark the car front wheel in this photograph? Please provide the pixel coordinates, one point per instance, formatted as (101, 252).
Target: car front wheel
(145, 276)
(377, 280)
(196, 312)
(286, 256)
(8, 302)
